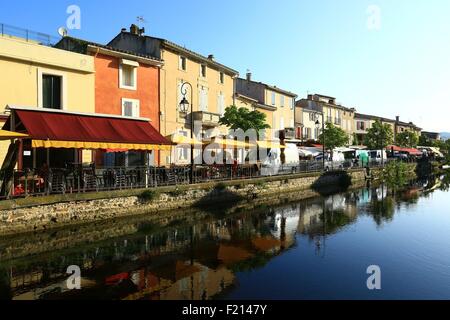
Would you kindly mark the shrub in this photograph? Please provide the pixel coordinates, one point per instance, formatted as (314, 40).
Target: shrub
(220, 186)
(148, 196)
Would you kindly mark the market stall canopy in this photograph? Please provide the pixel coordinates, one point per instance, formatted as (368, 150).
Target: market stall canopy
(270, 145)
(229, 143)
(71, 130)
(411, 151)
(8, 135)
(183, 140)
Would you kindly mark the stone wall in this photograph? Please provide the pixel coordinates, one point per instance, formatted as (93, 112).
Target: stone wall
(21, 217)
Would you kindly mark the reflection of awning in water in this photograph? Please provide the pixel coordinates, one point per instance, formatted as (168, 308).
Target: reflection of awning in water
(229, 255)
(265, 244)
(8, 135)
(70, 130)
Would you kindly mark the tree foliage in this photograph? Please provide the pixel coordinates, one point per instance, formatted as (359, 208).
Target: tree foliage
(407, 139)
(241, 118)
(334, 137)
(379, 136)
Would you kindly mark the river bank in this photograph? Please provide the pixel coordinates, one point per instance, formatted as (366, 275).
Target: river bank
(53, 212)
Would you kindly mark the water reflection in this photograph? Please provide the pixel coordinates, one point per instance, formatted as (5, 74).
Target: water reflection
(201, 261)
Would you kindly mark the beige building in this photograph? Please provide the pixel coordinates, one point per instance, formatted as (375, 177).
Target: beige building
(364, 122)
(212, 91)
(38, 76)
(276, 103)
(333, 112)
(305, 123)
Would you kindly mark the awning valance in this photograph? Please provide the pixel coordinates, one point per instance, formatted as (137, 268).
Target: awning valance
(8, 135)
(80, 131)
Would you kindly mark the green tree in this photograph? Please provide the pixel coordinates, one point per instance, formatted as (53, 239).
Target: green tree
(407, 139)
(379, 136)
(334, 137)
(424, 141)
(241, 118)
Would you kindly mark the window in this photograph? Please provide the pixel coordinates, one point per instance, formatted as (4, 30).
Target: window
(128, 74)
(203, 99)
(274, 98)
(203, 71)
(182, 63)
(361, 125)
(312, 117)
(130, 108)
(221, 104)
(292, 104)
(51, 91)
(221, 77)
(281, 101)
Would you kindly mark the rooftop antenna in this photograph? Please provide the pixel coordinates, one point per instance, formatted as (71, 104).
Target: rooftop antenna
(62, 32)
(140, 19)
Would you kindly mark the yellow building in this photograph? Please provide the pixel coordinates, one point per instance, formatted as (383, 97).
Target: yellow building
(212, 89)
(333, 112)
(39, 76)
(276, 103)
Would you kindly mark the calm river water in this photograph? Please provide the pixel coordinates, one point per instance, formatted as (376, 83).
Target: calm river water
(314, 249)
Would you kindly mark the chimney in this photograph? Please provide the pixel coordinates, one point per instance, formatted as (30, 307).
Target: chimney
(211, 57)
(249, 75)
(124, 30)
(134, 29)
(310, 97)
(397, 119)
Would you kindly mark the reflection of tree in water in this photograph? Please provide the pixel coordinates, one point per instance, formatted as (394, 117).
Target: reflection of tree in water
(445, 182)
(5, 289)
(382, 210)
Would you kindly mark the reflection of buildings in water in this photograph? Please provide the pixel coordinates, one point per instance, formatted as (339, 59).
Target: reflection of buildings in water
(54, 289)
(285, 224)
(310, 217)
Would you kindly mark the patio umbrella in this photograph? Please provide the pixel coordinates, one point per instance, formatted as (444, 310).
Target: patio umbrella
(8, 135)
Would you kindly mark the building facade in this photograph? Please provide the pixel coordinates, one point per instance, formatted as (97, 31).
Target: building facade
(306, 128)
(126, 85)
(42, 77)
(363, 122)
(334, 113)
(401, 126)
(210, 90)
(276, 103)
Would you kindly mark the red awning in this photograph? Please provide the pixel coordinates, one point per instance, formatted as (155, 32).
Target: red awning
(69, 130)
(411, 151)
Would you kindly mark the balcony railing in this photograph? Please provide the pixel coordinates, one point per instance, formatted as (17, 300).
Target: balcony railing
(27, 35)
(329, 119)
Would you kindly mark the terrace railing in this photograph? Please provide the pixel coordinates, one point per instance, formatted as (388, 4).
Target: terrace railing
(90, 179)
(27, 35)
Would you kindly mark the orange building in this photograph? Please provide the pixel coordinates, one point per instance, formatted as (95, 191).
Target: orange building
(126, 85)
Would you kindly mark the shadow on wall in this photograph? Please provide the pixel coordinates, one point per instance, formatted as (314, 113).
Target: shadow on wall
(219, 200)
(332, 182)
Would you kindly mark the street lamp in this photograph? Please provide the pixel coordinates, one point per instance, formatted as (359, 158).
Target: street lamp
(323, 137)
(185, 107)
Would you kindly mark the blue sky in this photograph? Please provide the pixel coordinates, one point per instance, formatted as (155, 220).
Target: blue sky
(324, 46)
